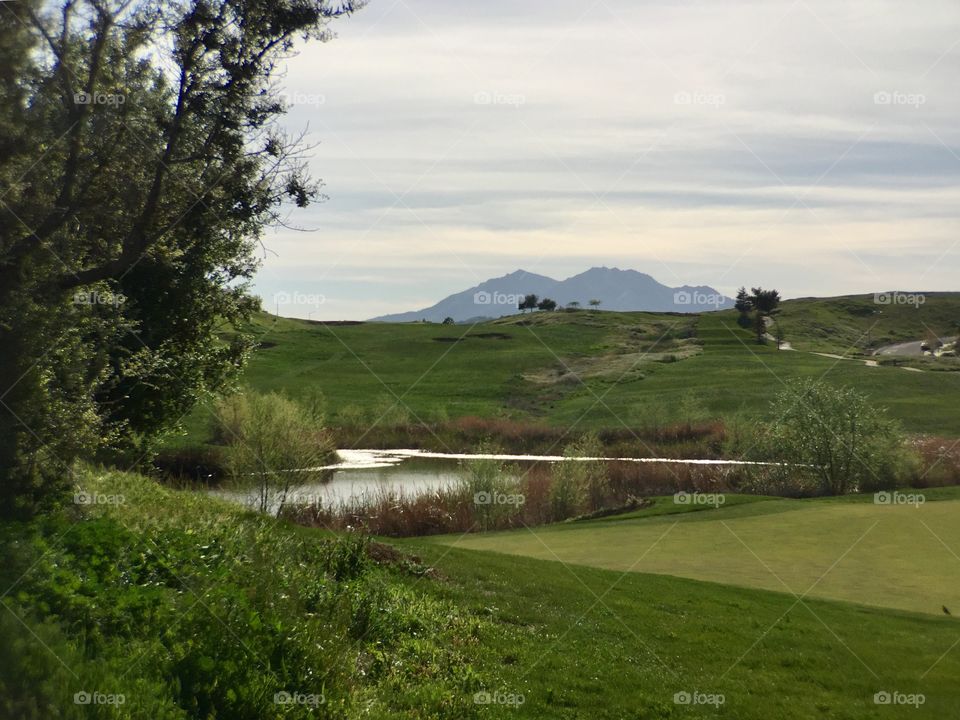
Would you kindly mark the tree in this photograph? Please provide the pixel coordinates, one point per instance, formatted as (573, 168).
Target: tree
(140, 160)
(778, 334)
(833, 436)
(547, 304)
(595, 303)
(529, 302)
(448, 321)
(743, 305)
(573, 305)
(765, 301)
(760, 328)
(273, 446)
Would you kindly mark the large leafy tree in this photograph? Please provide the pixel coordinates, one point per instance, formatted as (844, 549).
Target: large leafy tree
(140, 160)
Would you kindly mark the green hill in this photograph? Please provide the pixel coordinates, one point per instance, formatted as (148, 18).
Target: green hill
(592, 370)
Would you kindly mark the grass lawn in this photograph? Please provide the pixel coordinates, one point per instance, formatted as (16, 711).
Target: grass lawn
(901, 557)
(584, 370)
(582, 642)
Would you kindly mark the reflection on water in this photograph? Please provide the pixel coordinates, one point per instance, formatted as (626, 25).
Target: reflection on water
(354, 483)
(363, 475)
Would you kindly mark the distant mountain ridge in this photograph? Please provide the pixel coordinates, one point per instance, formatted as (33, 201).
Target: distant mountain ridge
(615, 288)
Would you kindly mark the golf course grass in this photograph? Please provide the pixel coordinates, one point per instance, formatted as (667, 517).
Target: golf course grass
(583, 642)
(590, 370)
(896, 556)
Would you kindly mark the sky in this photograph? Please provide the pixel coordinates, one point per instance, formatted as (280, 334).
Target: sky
(808, 146)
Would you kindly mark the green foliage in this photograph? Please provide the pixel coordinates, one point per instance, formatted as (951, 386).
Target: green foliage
(273, 444)
(192, 608)
(834, 436)
(579, 484)
(140, 159)
(491, 486)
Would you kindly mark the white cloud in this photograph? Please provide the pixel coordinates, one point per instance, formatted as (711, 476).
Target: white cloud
(666, 137)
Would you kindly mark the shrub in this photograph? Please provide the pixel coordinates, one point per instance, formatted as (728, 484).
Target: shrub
(832, 435)
(273, 445)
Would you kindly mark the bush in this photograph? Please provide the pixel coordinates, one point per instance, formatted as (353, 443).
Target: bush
(833, 436)
(273, 445)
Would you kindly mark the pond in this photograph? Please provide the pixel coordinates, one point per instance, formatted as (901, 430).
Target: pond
(363, 475)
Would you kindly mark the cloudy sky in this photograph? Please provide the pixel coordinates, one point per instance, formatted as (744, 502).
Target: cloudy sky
(809, 146)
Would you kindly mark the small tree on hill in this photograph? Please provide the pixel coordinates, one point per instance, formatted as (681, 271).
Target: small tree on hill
(765, 301)
(743, 305)
(760, 328)
(595, 303)
(529, 302)
(547, 304)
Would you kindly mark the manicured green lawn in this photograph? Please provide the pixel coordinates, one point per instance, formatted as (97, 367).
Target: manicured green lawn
(902, 557)
(582, 642)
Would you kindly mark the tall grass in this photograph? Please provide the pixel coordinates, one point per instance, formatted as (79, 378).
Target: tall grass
(493, 495)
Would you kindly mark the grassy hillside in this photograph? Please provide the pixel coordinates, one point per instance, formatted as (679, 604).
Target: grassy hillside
(857, 323)
(584, 370)
(844, 549)
(190, 608)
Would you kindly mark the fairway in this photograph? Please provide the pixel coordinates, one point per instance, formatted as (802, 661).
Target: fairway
(901, 557)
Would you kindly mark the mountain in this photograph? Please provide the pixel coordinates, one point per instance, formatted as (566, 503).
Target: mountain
(616, 289)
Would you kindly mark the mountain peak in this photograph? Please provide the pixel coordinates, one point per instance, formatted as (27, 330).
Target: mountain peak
(616, 289)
